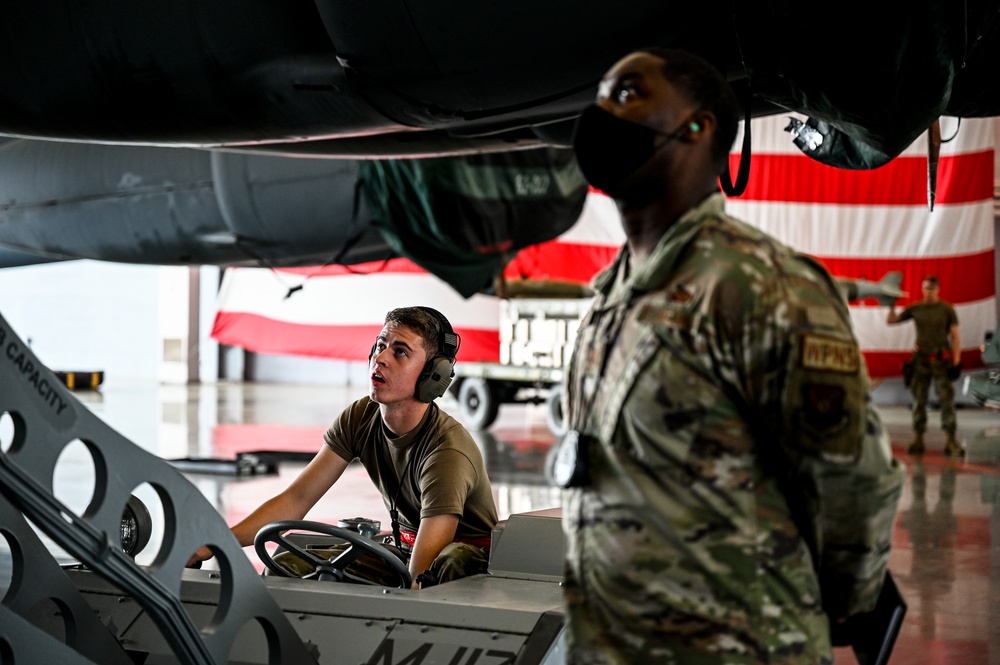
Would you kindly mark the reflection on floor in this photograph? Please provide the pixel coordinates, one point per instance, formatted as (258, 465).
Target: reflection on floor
(944, 559)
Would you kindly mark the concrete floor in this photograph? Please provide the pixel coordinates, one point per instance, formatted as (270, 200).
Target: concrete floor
(946, 556)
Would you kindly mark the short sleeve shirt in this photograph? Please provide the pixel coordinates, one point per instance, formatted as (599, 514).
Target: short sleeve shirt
(436, 469)
(933, 321)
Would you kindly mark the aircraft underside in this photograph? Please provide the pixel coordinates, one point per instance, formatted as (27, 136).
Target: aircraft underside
(202, 132)
(399, 78)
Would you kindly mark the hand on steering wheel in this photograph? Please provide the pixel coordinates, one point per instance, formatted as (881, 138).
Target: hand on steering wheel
(326, 570)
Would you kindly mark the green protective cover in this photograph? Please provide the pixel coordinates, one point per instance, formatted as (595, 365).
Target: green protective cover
(463, 218)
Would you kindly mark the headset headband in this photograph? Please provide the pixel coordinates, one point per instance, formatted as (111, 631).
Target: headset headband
(449, 341)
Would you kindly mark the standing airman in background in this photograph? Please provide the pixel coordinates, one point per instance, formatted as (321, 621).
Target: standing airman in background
(938, 357)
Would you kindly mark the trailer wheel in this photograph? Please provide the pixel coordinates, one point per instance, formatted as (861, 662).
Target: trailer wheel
(554, 416)
(478, 402)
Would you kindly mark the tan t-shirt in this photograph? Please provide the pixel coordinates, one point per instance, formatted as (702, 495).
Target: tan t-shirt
(441, 466)
(934, 321)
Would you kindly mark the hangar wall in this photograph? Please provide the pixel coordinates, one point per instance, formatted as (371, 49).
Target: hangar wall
(141, 324)
(296, 369)
(133, 322)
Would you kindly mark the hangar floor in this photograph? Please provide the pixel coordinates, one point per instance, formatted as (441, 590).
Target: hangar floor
(946, 558)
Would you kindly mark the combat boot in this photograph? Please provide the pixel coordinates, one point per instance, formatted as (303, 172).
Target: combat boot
(917, 447)
(952, 448)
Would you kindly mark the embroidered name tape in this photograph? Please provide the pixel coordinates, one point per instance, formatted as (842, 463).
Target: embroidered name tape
(827, 354)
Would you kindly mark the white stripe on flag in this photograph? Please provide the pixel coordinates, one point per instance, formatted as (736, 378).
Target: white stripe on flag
(599, 224)
(874, 334)
(349, 299)
(868, 231)
(974, 135)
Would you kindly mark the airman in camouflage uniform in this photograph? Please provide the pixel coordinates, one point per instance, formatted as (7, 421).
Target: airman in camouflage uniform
(734, 465)
(937, 357)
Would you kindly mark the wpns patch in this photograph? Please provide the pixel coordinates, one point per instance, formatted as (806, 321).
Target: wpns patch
(828, 354)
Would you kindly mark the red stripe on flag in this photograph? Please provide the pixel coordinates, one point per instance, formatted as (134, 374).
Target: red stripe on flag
(965, 178)
(560, 261)
(887, 364)
(396, 265)
(343, 342)
(957, 274)
(962, 178)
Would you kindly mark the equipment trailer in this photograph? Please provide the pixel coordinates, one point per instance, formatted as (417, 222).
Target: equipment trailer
(536, 340)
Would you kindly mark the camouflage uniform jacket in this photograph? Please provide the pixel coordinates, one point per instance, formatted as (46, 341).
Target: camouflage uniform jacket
(734, 456)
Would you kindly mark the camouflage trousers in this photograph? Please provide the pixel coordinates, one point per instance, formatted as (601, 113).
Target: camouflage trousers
(456, 560)
(926, 370)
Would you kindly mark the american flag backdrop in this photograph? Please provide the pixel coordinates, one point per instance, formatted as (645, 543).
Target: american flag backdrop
(339, 311)
(863, 224)
(860, 224)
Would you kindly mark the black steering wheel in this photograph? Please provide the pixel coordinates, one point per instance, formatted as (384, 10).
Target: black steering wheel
(333, 569)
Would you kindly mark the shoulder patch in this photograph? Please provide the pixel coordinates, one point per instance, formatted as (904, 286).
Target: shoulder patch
(824, 316)
(828, 354)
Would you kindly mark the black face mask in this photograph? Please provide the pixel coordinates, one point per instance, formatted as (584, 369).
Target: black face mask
(609, 149)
